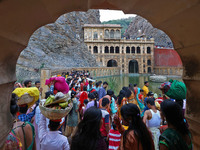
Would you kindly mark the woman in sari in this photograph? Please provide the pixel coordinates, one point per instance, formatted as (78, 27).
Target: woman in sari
(83, 96)
(22, 136)
(121, 101)
(141, 105)
(177, 136)
(137, 136)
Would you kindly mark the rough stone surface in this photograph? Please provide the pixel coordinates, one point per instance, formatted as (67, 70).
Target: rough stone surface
(139, 23)
(58, 45)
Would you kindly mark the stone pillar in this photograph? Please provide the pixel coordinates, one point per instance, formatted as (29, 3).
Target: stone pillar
(45, 74)
(6, 119)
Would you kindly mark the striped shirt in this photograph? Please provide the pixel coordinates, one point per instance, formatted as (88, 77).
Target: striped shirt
(114, 139)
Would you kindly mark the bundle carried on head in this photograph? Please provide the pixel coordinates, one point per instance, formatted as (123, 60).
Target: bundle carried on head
(174, 89)
(27, 95)
(56, 107)
(59, 85)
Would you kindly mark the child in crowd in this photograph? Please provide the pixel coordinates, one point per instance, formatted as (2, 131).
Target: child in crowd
(114, 138)
(106, 119)
(141, 96)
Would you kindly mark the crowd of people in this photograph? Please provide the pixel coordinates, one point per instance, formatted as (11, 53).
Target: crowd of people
(133, 119)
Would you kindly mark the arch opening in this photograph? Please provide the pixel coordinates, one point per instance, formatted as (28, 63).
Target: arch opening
(149, 62)
(107, 35)
(106, 49)
(112, 63)
(95, 36)
(111, 49)
(95, 49)
(128, 50)
(112, 34)
(138, 50)
(119, 7)
(133, 66)
(133, 50)
(117, 49)
(148, 50)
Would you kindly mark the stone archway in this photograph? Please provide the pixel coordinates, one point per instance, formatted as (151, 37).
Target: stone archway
(179, 19)
(112, 63)
(133, 66)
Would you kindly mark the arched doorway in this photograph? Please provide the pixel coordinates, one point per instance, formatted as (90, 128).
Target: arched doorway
(185, 39)
(133, 66)
(112, 63)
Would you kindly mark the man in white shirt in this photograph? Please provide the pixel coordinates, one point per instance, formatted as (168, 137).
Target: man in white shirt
(152, 119)
(52, 140)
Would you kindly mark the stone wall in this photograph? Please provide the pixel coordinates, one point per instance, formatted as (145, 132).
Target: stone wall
(178, 71)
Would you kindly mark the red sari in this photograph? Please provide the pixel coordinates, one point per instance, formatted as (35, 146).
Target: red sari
(83, 96)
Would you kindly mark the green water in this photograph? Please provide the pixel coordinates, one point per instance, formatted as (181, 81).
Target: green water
(117, 82)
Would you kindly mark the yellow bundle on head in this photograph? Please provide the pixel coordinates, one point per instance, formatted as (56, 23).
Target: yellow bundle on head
(27, 95)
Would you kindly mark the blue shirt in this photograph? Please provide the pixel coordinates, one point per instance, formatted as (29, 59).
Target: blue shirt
(28, 117)
(102, 92)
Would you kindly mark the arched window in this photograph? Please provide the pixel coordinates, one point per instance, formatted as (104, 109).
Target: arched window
(112, 32)
(112, 63)
(95, 49)
(138, 50)
(107, 34)
(111, 49)
(133, 50)
(89, 47)
(148, 50)
(117, 49)
(149, 62)
(95, 35)
(128, 49)
(117, 34)
(106, 49)
(149, 69)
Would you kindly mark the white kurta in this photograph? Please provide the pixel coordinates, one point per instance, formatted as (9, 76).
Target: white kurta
(51, 140)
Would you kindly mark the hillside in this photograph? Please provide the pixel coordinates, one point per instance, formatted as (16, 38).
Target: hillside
(123, 22)
(139, 23)
(58, 45)
(131, 26)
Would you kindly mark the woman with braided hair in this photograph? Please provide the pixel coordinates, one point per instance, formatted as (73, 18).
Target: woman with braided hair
(137, 136)
(177, 136)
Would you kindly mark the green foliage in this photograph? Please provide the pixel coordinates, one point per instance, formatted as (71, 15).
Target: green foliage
(123, 22)
(113, 84)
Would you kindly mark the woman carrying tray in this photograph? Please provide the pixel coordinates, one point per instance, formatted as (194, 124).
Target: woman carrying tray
(22, 136)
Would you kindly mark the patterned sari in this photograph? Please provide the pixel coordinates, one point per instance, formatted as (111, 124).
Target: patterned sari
(173, 140)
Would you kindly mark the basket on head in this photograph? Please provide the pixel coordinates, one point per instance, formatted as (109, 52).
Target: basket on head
(54, 114)
(25, 99)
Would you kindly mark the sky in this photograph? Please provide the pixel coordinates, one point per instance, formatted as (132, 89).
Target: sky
(106, 15)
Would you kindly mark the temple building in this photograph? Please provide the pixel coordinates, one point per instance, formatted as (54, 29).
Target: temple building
(131, 55)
